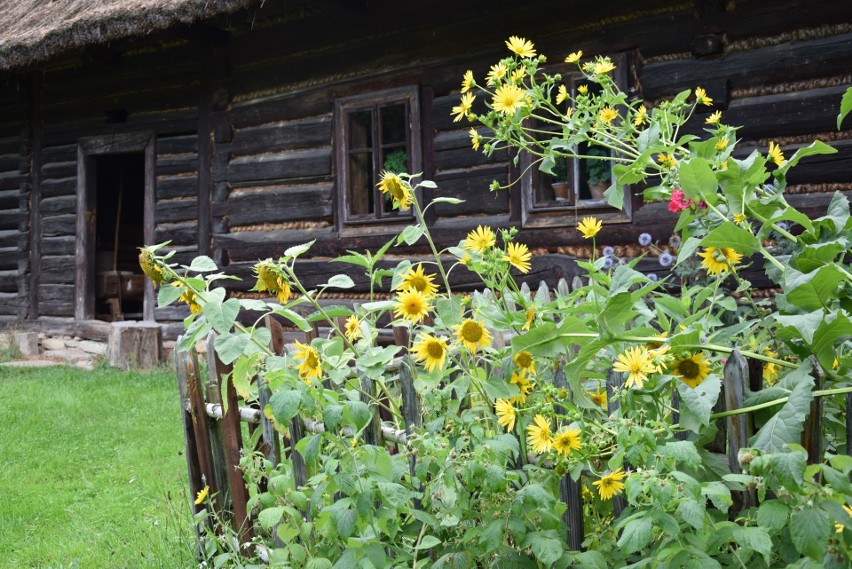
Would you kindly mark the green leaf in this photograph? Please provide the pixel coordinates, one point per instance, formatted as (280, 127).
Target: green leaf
(318, 563)
(816, 147)
(285, 405)
(839, 482)
(331, 416)
(334, 311)
(692, 513)
(845, 106)
(618, 310)
(230, 346)
(297, 250)
(826, 336)
(838, 211)
(345, 521)
(546, 547)
(203, 264)
(496, 388)
(814, 290)
(168, 294)
(254, 304)
(789, 467)
(809, 531)
(340, 281)
(687, 249)
(698, 180)
(785, 427)
(614, 194)
(359, 413)
(636, 535)
(222, 315)
(754, 538)
(696, 404)
(773, 514)
(353, 259)
(453, 201)
(270, 516)
(683, 453)
(411, 234)
(731, 236)
(293, 317)
(428, 542)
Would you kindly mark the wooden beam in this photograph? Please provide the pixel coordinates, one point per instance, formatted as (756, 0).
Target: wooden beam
(205, 106)
(37, 131)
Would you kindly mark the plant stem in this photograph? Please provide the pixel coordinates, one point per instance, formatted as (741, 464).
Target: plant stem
(779, 401)
(435, 253)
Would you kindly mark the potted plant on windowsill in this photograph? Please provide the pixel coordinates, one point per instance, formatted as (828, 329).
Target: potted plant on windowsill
(598, 172)
(560, 184)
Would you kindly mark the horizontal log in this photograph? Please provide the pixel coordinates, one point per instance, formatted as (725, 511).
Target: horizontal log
(59, 187)
(280, 166)
(176, 122)
(176, 187)
(58, 205)
(175, 210)
(86, 329)
(177, 233)
(176, 164)
(9, 303)
(280, 136)
(461, 158)
(57, 270)
(59, 225)
(10, 237)
(183, 144)
(474, 188)
(10, 199)
(10, 162)
(254, 245)
(10, 218)
(9, 280)
(53, 170)
(62, 153)
(9, 258)
(11, 180)
(63, 245)
(815, 58)
(276, 204)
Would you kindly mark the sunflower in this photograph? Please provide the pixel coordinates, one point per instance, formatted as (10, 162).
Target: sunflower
(530, 316)
(637, 363)
(539, 436)
(608, 115)
(521, 46)
(149, 266)
(660, 357)
(603, 66)
(739, 218)
(271, 279)
(508, 98)
(411, 305)
(497, 72)
(561, 94)
(692, 370)
(589, 227)
(202, 495)
(505, 414)
(475, 139)
(352, 329)
(472, 334)
(467, 81)
(719, 259)
(583, 89)
(518, 255)
(464, 106)
(574, 57)
(399, 191)
(189, 297)
(775, 154)
(701, 97)
(598, 398)
(770, 369)
(566, 441)
(722, 144)
(610, 484)
(416, 279)
(432, 350)
(641, 116)
(525, 362)
(713, 118)
(524, 385)
(480, 239)
(311, 366)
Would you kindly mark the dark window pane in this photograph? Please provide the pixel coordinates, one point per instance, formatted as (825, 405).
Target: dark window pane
(395, 160)
(360, 130)
(393, 124)
(361, 183)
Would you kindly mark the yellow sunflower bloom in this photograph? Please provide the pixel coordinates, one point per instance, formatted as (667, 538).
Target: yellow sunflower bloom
(603, 66)
(714, 118)
(608, 115)
(770, 370)
(497, 72)
(775, 154)
(505, 414)
(589, 227)
(431, 350)
(722, 144)
(467, 81)
(610, 484)
(539, 436)
(525, 386)
(641, 116)
(472, 334)
(701, 97)
(189, 298)
(583, 89)
(202, 495)
(574, 57)
(718, 260)
(416, 279)
(311, 367)
(508, 98)
(475, 139)
(149, 266)
(566, 441)
(522, 47)
(480, 239)
(463, 108)
(518, 255)
(411, 305)
(598, 398)
(525, 362)
(397, 189)
(561, 94)
(739, 218)
(667, 160)
(352, 329)
(518, 74)
(530, 316)
(636, 362)
(692, 370)
(271, 279)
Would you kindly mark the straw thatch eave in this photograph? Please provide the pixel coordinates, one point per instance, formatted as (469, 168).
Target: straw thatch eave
(32, 31)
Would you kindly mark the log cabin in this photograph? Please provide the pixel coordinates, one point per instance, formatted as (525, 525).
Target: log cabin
(237, 128)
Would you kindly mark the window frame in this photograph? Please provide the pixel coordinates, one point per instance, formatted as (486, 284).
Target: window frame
(379, 221)
(552, 214)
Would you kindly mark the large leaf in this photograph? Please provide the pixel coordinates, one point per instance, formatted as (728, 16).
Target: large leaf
(785, 427)
(231, 346)
(697, 404)
(549, 339)
(845, 106)
(816, 147)
(617, 311)
(814, 290)
(285, 405)
(222, 315)
(203, 264)
(826, 336)
(168, 294)
(636, 535)
(731, 236)
(838, 211)
(698, 180)
(809, 531)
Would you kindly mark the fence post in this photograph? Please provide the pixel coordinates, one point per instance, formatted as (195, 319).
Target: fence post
(812, 433)
(569, 489)
(614, 381)
(194, 467)
(735, 377)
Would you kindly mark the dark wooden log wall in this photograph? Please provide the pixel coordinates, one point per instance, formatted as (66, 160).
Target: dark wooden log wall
(14, 199)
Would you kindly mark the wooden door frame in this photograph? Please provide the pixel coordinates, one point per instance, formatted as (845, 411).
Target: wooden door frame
(84, 273)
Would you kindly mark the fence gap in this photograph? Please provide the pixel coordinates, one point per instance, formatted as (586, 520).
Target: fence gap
(569, 489)
(614, 381)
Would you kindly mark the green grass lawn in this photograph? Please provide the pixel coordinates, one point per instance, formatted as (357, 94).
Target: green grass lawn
(92, 472)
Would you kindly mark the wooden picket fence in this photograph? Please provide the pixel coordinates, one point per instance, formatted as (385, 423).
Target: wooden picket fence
(214, 441)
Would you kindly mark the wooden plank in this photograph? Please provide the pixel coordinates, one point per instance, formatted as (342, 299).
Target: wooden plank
(205, 151)
(277, 204)
(176, 187)
(59, 187)
(183, 365)
(176, 210)
(735, 379)
(57, 270)
(198, 417)
(36, 143)
(280, 166)
(183, 233)
(58, 205)
(309, 132)
(812, 434)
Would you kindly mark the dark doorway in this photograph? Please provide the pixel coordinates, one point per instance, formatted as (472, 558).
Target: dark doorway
(119, 232)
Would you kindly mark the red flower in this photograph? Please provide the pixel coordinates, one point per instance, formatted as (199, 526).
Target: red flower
(678, 204)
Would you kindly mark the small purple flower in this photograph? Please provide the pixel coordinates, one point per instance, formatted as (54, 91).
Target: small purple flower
(608, 251)
(665, 259)
(782, 225)
(607, 263)
(653, 277)
(645, 239)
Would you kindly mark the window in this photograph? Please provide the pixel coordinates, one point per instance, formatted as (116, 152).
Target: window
(576, 186)
(374, 132)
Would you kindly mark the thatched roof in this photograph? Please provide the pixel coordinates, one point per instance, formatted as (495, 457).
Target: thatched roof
(35, 30)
